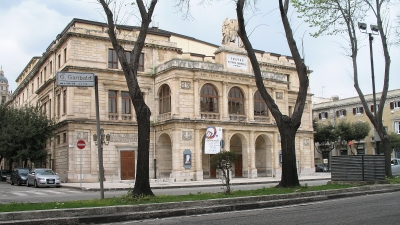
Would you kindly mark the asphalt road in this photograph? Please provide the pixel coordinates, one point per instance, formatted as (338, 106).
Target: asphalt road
(13, 193)
(363, 210)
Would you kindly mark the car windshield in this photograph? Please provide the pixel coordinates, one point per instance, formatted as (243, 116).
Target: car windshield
(44, 172)
(23, 172)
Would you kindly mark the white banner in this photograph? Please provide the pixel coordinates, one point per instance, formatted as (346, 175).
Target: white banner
(213, 140)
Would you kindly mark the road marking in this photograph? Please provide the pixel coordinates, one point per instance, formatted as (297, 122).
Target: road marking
(56, 192)
(77, 192)
(18, 193)
(36, 192)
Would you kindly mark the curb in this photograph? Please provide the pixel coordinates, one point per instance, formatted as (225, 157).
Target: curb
(182, 186)
(162, 210)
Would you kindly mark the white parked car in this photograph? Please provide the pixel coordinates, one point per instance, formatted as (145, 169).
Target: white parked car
(43, 177)
(396, 167)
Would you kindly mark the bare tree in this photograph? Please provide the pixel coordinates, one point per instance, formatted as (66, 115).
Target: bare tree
(287, 125)
(342, 16)
(142, 182)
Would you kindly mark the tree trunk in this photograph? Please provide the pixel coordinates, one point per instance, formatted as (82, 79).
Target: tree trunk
(142, 183)
(289, 169)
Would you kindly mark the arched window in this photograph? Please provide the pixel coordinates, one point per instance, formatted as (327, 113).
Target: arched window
(164, 99)
(260, 107)
(208, 99)
(236, 101)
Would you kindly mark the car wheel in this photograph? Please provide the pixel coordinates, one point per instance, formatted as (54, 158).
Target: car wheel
(58, 186)
(35, 184)
(27, 183)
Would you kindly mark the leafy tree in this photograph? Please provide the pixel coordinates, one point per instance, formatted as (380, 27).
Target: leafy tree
(142, 182)
(24, 134)
(334, 17)
(324, 138)
(361, 130)
(224, 161)
(395, 141)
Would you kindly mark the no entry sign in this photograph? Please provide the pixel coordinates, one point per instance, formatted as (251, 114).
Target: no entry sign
(81, 144)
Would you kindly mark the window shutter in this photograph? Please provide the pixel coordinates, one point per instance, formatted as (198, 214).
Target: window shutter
(354, 111)
(337, 113)
(326, 115)
(391, 105)
(361, 110)
(344, 112)
(372, 108)
(319, 115)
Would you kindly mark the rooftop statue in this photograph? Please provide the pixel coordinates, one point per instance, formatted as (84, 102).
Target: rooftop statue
(230, 32)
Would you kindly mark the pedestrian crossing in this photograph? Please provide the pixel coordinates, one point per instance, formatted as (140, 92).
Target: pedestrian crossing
(39, 193)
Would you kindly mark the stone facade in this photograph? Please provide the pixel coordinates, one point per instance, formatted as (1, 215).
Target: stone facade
(182, 67)
(349, 109)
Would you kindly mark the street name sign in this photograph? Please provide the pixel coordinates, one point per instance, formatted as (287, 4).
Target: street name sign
(71, 79)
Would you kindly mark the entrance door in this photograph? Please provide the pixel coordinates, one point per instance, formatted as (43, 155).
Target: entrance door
(239, 166)
(213, 172)
(127, 165)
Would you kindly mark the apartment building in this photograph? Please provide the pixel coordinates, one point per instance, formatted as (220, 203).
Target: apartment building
(335, 110)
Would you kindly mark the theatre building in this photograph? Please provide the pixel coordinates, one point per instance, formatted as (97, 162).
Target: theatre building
(190, 86)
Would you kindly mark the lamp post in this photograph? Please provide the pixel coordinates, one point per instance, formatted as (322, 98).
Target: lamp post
(374, 31)
(103, 139)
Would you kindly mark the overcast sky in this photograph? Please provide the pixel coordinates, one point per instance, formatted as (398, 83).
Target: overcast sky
(27, 27)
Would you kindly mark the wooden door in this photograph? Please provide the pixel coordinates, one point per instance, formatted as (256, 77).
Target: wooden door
(127, 165)
(239, 166)
(213, 172)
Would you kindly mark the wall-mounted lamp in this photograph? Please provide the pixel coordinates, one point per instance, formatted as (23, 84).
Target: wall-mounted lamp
(104, 138)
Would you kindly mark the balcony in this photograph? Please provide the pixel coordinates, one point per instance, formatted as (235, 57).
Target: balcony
(113, 116)
(210, 116)
(164, 116)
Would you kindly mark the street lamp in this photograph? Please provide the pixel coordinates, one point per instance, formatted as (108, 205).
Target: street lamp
(103, 139)
(374, 31)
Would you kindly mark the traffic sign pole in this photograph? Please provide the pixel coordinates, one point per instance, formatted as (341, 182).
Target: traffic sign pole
(81, 145)
(99, 145)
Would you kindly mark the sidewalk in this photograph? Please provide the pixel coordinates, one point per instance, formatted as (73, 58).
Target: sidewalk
(158, 184)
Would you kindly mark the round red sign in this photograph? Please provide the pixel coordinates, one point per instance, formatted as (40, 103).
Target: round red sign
(81, 144)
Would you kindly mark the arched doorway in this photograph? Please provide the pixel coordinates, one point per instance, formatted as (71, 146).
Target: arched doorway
(238, 145)
(263, 156)
(164, 156)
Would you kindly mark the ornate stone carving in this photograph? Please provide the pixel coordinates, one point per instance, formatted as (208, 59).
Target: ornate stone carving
(82, 136)
(279, 95)
(126, 138)
(185, 85)
(187, 135)
(230, 32)
(306, 142)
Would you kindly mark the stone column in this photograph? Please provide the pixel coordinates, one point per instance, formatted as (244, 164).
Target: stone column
(177, 154)
(175, 98)
(224, 111)
(196, 97)
(197, 153)
(252, 152)
(226, 140)
(250, 110)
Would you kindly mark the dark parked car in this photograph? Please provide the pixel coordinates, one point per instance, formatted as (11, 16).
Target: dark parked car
(19, 176)
(320, 168)
(43, 177)
(4, 174)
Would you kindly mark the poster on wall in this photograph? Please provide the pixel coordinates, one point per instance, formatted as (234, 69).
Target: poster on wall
(212, 140)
